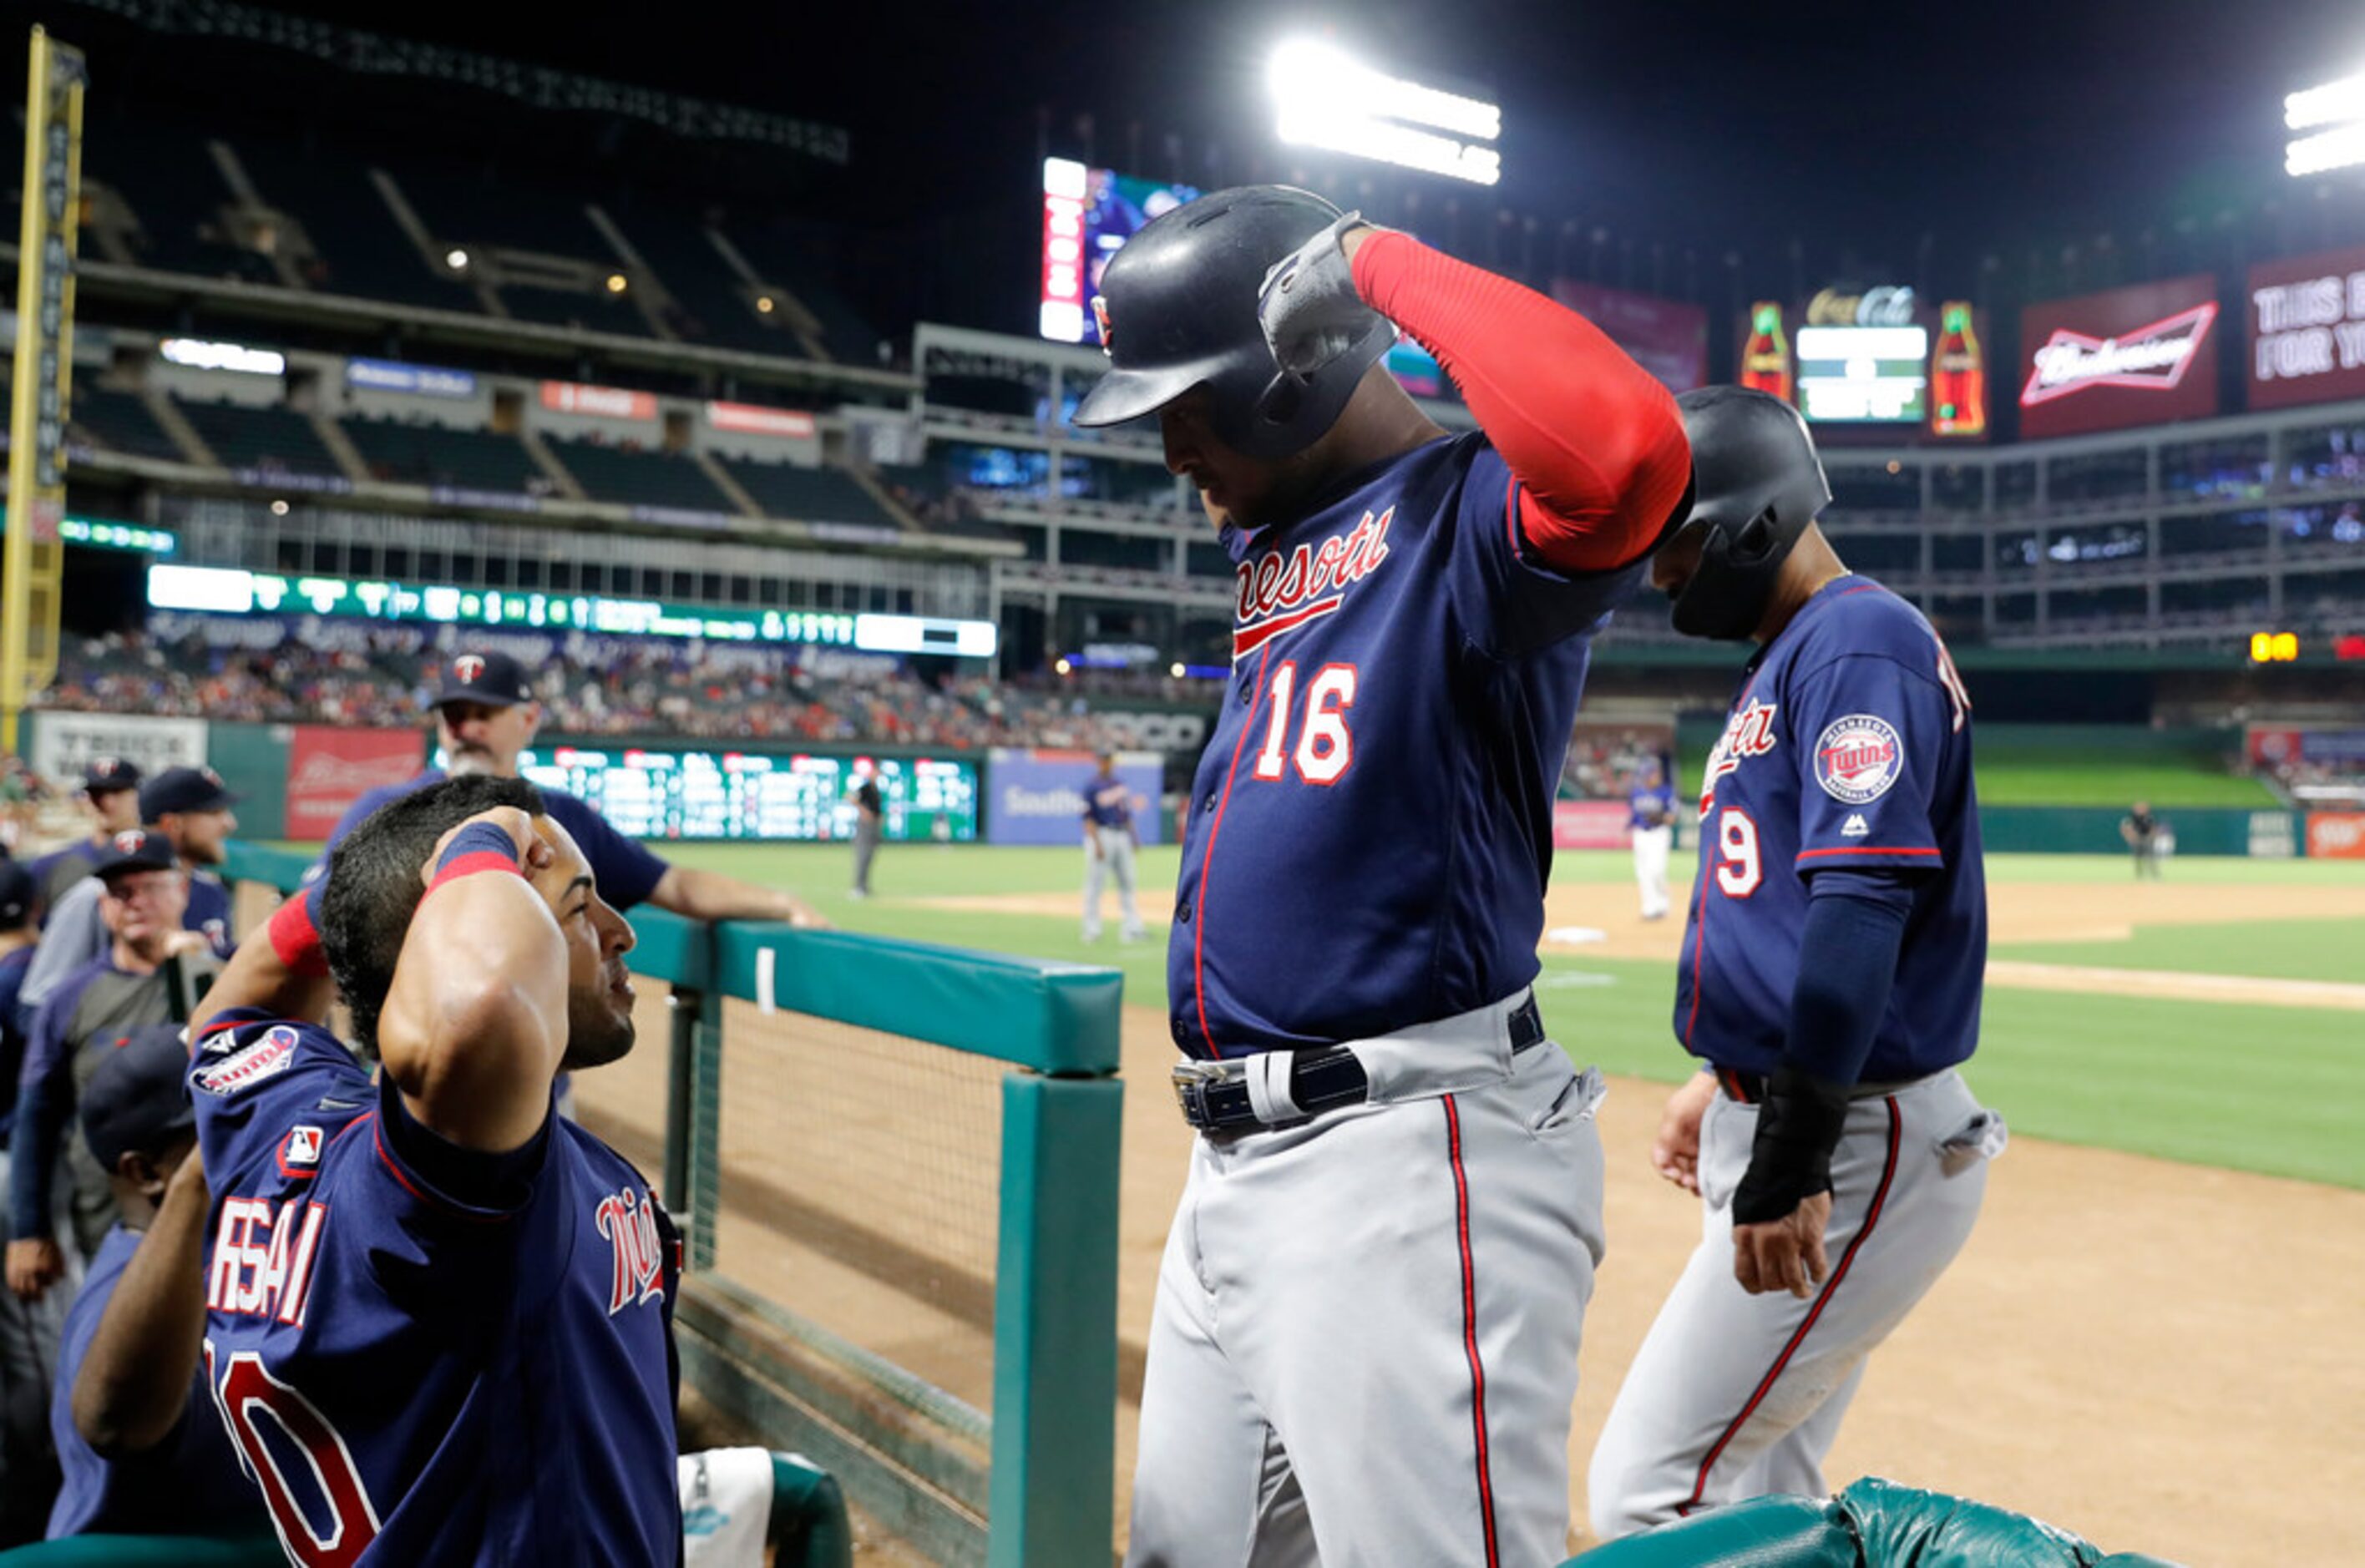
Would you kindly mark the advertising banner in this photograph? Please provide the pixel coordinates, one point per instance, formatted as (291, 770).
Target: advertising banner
(1590, 824)
(1037, 796)
(65, 743)
(597, 402)
(330, 767)
(751, 419)
(1666, 337)
(422, 380)
(2125, 357)
(2307, 329)
(2287, 745)
(2335, 835)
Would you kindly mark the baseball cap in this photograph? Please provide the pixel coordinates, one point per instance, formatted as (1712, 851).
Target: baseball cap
(494, 679)
(135, 850)
(184, 789)
(16, 893)
(138, 1096)
(106, 773)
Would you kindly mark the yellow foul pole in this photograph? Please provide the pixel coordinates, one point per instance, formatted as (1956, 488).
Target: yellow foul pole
(32, 563)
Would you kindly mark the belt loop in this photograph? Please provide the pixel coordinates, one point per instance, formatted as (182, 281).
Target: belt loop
(1268, 1081)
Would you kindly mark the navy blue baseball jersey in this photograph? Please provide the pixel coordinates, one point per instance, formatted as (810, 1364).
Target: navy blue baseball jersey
(1108, 802)
(625, 870)
(478, 1370)
(1370, 828)
(189, 1484)
(12, 1029)
(1653, 806)
(1849, 746)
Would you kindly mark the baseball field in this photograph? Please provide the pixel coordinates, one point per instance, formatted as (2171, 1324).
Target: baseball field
(2149, 1338)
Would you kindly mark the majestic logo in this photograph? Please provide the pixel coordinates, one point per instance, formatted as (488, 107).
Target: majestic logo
(630, 1227)
(468, 666)
(1858, 757)
(2152, 358)
(1280, 593)
(1856, 826)
(250, 1065)
(1749, 733)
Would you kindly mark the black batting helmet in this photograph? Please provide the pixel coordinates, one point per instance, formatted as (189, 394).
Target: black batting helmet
(1178, 310)
(1756, 484)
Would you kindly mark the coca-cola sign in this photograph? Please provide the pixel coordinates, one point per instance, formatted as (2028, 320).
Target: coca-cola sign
(2130, 356)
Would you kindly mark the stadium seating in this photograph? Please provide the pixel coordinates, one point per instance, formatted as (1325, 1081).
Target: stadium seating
(640, 478)
(434, 454)
(121, 423)
(807, 495)
(269, 440)
(706, 307)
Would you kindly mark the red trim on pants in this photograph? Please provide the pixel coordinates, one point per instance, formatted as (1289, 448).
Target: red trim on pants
(1470, 1326)
(1831, 1288)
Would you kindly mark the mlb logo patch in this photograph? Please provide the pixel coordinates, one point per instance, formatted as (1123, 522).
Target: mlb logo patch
(299, 1151)
(1858, 757)
(250, 1064)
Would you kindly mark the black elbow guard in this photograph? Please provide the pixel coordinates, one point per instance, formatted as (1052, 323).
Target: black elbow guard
(1798, 1127)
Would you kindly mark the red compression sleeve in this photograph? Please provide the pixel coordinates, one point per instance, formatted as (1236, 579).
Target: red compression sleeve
(1594, 440)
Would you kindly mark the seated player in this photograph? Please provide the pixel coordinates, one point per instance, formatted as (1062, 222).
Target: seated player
(138, 1437)
(110, 788)
(458, 1303)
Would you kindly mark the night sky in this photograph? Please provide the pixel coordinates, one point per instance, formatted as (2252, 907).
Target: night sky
(1898, 140)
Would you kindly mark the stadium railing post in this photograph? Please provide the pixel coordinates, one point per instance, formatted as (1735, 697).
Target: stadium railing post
(684, 1008)
(1054, 1457)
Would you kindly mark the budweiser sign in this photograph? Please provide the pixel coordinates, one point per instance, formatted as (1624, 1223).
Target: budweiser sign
(330, 766)
(2150, 358)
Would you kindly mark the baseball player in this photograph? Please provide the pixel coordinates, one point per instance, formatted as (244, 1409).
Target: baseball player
(142, 1451)
(188, 808)
(144, 894)
(29, 1330)
(110, 787)
(869, 824)
(1365, 1337)
(2146, 834)
(1650, 819)
(1830, 981)
(485, 716)
(456, 1302)
(1110, 842)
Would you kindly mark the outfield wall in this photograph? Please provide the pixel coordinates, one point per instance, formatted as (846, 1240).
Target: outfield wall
(289, 777)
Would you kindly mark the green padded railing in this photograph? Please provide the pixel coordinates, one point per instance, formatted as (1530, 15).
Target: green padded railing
(1052, 1434)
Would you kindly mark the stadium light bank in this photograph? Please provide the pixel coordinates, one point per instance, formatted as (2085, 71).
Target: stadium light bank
(2334, 117)
(1324, 98)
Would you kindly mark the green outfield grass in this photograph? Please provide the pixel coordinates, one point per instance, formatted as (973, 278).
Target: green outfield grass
(2106, 781)
(2266, 1089)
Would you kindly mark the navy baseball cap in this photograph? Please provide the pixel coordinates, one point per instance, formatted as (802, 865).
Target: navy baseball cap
(184, 789)
(107, 774)
(494, 679)
(137, 851)
(17, 894)
(138, 1096)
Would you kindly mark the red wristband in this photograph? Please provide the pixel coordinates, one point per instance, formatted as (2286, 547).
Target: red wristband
(479, 846)
(294, 934)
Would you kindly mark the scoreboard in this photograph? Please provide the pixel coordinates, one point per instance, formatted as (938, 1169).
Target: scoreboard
(721, 794)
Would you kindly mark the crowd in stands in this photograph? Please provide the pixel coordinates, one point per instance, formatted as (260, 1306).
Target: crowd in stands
(641, 688)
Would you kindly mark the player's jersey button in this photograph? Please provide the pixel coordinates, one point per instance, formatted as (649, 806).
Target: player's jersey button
(1182, 912)
(1209, 803)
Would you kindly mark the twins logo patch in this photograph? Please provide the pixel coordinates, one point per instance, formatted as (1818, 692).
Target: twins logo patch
(1858, 757)
(250, 1064)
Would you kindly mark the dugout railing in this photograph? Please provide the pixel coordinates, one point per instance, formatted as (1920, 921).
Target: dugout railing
(784, 1014)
